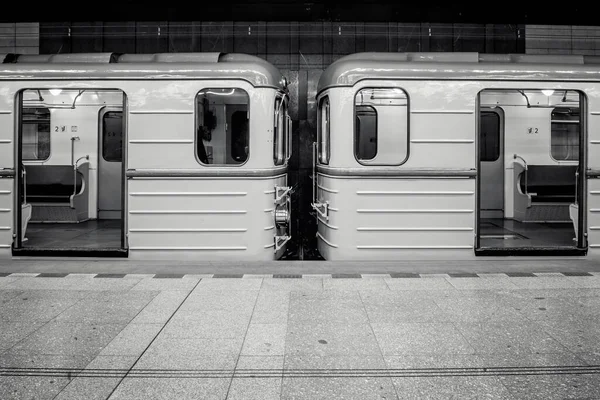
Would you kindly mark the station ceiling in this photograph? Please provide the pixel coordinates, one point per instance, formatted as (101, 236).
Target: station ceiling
(492, 12)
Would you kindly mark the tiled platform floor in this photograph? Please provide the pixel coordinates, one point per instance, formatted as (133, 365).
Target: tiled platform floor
(333, 336)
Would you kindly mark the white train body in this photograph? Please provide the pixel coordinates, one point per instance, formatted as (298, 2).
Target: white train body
(177, 204)
(419, 194)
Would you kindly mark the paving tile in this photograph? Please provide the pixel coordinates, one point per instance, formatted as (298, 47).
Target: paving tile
(11, 332)
(322, 339)
(265, 339)
(31, 387)
(531, 360)
(118, 308)
(478, 283)
(498, 337)
(390, 308)
(255, 389)
(418, 284)
(545, 308)
(132, 340)
(7, 295)
(6, 281)
(256, 363)
(271, 307)
(455, 387)
(98, 379)
(161, 308)
(242, 302)
(555, 386)
(420, 338)
(32, 283)
(338, 308)
(229, 284)
(28, 307)
(74, 362)
(211, 324)
(585, 281)
(320, 365)
(356, 284)
(362, 388)
(578, 335)
(478, 309)
(544, 283)
(191, 354)
(165, 284)
(172, 388)
(68, 339)
(292, 284)
(429, 361)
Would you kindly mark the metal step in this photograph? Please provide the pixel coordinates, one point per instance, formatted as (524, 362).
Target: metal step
(53, 213)
(547, 213)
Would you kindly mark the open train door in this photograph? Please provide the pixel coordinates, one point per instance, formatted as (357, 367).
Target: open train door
(530, 189)
(71, 198)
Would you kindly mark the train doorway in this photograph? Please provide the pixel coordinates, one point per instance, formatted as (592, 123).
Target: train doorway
(529, 187)
(71, 173)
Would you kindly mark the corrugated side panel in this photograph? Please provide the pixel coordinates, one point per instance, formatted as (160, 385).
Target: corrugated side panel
(387, 219)
(206, 219)
(593, 215)
(6, 216)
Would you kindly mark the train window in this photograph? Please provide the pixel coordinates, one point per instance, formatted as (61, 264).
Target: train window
(366, 132)
(36, 133)
(564, 139)
(323, 130)
(112, 136)
(222, 126)
(489, 145)
(381, 126)
(280, 132)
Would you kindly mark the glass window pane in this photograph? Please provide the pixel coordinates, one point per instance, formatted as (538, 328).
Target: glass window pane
(36, 133)
(489, 145)
(564, 141)
(112, 136)
(222, 120)
(324, 131)
(381, 126)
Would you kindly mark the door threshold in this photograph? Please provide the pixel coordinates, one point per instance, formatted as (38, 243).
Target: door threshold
(530, 251)
(72, 252)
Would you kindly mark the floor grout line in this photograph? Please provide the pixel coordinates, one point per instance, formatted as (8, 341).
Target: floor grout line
(153, 339)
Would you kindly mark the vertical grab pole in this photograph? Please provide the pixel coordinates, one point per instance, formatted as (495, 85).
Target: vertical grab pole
(314, 177)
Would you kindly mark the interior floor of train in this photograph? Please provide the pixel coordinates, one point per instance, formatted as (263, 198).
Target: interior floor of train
(95, 234)
(504, 233)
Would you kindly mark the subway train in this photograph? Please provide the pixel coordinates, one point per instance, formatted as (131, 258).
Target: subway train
(185, 156)
(457, 155)
(146, 156)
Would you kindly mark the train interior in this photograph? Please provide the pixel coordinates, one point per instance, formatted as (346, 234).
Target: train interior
(529, 161)
(71, 172)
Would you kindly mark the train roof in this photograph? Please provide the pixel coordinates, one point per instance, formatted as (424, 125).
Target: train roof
(353, 68)
(113, 66)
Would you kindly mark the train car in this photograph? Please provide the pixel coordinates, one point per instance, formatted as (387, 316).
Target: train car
(146, 156)
(457, 155)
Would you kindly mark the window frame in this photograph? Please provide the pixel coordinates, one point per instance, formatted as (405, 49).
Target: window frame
(368, 163)
(21, 121)
(197, 125)
(280, 130)
(497, 113)
(103, 113)
(320, 153)
(374, 110)
(579, 123)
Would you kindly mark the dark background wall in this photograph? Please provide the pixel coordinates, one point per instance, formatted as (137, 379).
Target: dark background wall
(301, 50)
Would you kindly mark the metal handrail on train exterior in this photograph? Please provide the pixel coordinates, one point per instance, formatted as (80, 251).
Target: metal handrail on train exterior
(525, 166)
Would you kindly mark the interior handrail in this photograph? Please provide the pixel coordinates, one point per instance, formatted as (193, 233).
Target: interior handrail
(75, 167)
(515, 156)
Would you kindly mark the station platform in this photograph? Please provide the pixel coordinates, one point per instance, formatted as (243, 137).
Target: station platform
(119, 329)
